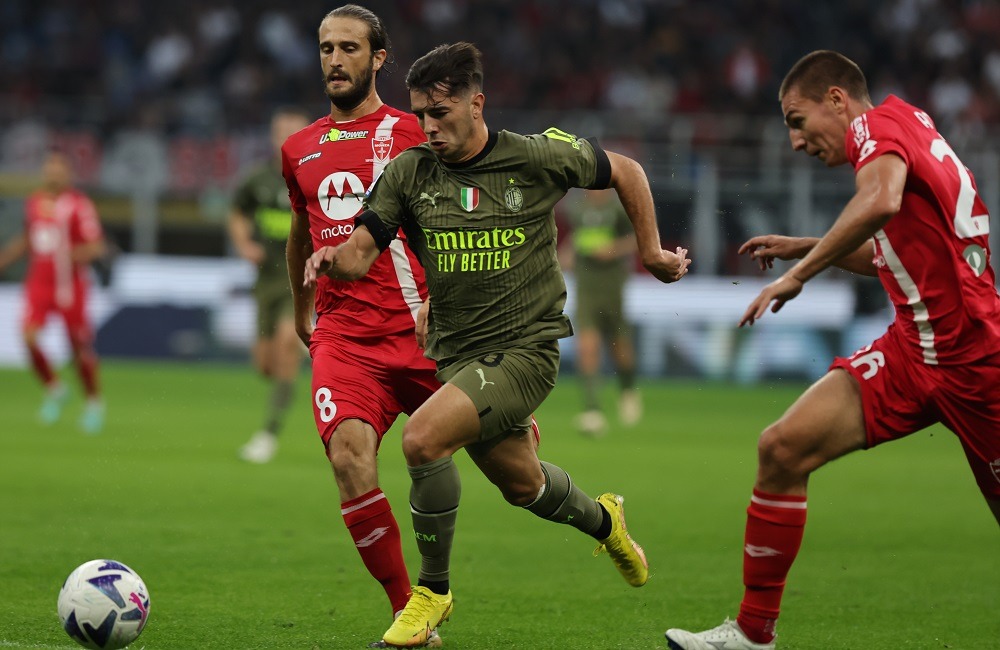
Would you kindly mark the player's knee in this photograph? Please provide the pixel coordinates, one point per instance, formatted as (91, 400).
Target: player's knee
(347, 454)
(419, 446)
(520, 494)
(778, 452)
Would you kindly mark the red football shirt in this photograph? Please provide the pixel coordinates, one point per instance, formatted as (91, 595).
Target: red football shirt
(54, 224)
(329, 166)
(932, 256)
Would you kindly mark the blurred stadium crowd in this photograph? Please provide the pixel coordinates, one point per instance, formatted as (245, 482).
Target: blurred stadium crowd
(197, 67)
(171, 99)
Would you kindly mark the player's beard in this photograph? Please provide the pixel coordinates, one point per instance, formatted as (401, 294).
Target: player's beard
(351, 98)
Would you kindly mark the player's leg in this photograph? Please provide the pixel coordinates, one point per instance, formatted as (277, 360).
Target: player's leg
(967, 398)
(623, 353)
(591, 420)
(266, 354)
(824, 423)
(81, 340)
(285, 358)
(55, 392)
(353, 407)
(352, 449)
(547, 491)
(36, 309)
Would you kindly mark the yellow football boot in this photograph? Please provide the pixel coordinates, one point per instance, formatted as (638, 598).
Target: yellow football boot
(627, 555)
(415, 626)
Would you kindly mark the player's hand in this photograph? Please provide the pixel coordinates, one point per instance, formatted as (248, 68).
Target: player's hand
(766, 248)
(319, 263)
(421, 329)
(780, 291)
(669, 267)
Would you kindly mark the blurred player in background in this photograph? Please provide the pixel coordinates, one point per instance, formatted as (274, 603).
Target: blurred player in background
(917, 223)
(477, 206)
(600, 249)
(258, 227)
(367, 367)
(62, 236)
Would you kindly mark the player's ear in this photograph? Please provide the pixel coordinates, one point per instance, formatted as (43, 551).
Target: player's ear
(837, 98)
(378, 59)
(478, 101)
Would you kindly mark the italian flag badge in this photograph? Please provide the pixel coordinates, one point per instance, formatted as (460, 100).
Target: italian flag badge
(470, 198)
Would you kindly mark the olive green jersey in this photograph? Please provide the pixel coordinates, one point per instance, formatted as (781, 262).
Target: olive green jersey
(263, 198)
(485, 233)
(595, 226)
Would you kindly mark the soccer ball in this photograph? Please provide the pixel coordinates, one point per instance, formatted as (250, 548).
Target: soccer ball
(103, 605)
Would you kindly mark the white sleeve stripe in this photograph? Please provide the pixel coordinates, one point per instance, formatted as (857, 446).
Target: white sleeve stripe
(363, 504)
(921, 317)
(404, 275)
(791, 505)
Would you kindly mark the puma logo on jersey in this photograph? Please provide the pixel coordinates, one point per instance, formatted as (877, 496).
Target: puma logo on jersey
(431, 199)
(372, 537)
(482, 376)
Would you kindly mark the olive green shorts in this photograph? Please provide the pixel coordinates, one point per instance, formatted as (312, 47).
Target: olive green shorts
(274, 304)
(506, 386)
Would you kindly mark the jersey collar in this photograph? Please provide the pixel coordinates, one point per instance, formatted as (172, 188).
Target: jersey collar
(491, 142)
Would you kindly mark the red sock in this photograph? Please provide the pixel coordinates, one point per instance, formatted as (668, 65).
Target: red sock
(376, 535)
(775, 523)
(41, 365)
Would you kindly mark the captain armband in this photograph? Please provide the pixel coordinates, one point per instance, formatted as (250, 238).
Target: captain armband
(602, 179)
(382, 235)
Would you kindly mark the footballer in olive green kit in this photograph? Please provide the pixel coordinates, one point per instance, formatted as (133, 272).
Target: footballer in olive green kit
(485, 233)
(477, 209)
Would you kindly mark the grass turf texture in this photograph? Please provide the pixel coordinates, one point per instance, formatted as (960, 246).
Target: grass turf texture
(900, 550)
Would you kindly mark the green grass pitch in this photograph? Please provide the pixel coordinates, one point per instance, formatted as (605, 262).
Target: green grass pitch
(900, 550)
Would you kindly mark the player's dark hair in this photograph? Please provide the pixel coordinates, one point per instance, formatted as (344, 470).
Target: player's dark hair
(456, 68)
(818, 71)
(378, 36)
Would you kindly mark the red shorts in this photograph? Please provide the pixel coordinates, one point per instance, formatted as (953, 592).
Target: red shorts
(40, 301)
(372, 380)
(901, 396)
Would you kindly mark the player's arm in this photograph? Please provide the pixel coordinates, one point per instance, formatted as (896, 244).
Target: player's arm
(877, 197)
(297, 252)
(348, 261)
(14, 250)
(87, 252)
(240, 229)
(630, 182)
(767, 248)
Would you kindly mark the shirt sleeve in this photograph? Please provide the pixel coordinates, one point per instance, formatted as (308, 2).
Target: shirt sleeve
(570, 161)
(872, 135)
(88, 224)
(295, 195)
